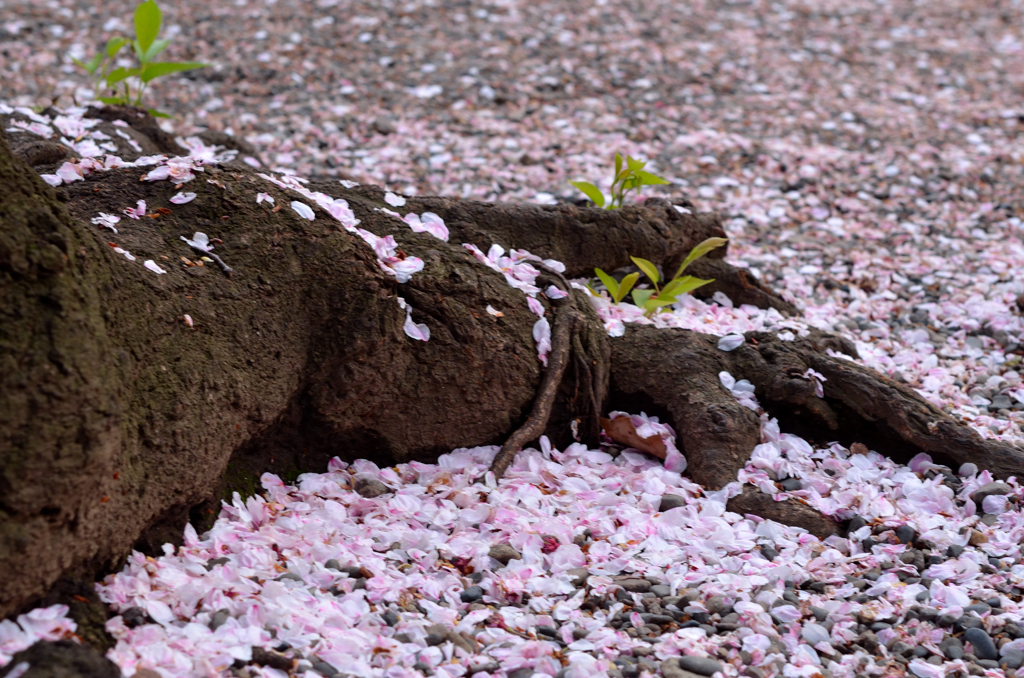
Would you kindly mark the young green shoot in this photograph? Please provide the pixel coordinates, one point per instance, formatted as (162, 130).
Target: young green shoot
(652, 298)
(146, 46)
(627, 178)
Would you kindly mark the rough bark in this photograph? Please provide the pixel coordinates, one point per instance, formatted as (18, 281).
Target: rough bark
(118, 416)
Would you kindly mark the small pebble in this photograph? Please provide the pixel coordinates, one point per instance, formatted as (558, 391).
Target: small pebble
(671, 501)
(368, 487)
(503, 553)
(905, 534)
(472, 594)
(982, 643)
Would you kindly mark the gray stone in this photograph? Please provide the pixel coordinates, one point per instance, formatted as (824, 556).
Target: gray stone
(578, 575)
(769, 553)
(368, 487)
(218, 619)
(433, 639)
(289, 576)
(717, 605)
(657, 619)
(384, 124)
(982, 643)
(902, 649)
(1013, 659)
(472, 594)
(980, 608)
(332, 564)
(905, 534)
(819, 613)
(520, 673)
(504, 553)
(856, 523)
(324, 669)
(635, 585)
(954, 551)
(989, 490)
(661, 590)
(703, 666)
(671, 501)
(792, 484)
(390, 617)
(1000, 402)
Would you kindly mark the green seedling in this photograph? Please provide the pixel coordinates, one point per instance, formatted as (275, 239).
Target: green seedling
(628, 178)
(146, 46)
(651, 299)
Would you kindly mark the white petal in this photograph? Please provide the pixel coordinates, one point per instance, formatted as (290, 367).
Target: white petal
(153, 266)
(394, 200)
(303, 210)
(181, 198)
(730, 342)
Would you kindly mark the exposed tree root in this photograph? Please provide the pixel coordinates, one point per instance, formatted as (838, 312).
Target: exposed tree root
(674, 374)
(566, 319)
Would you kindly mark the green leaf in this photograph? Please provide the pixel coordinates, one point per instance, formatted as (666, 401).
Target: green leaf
(114, 46)
(634, 164)
(155, 70)
(91, 65)
(157, 47)
(630, 182)
(640, 297)
(673, 287)
(626, 285)
(618, 164)
(119, 74)
(609, 282)
(648, 179)
(147, 25)
(699, 251)
(591, 191)
(659, 301)
(158, 114)
(649, 269)
(688, 284)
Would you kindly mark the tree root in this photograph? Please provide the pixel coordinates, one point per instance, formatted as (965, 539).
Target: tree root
(675, 374)
(566, 319)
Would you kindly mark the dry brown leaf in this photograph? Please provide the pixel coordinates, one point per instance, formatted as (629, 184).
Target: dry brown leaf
(622, 431)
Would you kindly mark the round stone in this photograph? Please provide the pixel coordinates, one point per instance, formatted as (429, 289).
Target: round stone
(703, 666)
(905, 534)
(671, 501)
(472, 594)
(982, 643)
(503, 553)
(1013, 659)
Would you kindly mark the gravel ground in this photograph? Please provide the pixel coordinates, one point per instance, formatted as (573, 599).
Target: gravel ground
(867, 158)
